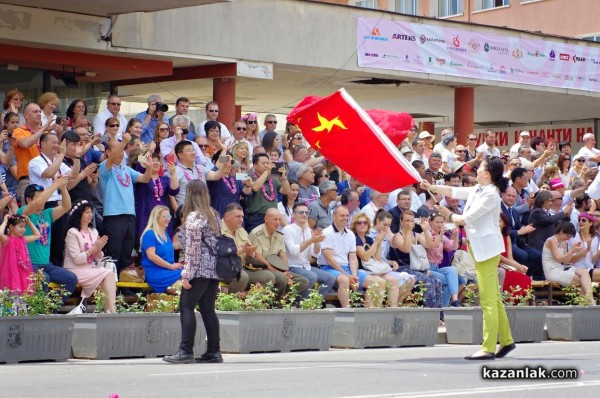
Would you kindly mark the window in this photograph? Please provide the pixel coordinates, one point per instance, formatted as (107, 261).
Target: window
(487, 4)
(590, 37)
(367, 3)
(407, 6)
(447, 8)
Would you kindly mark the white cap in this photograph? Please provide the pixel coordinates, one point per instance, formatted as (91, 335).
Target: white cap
(424, 134)
(524, 134)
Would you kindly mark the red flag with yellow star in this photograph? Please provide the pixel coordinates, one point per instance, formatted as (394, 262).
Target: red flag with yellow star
(346, 135)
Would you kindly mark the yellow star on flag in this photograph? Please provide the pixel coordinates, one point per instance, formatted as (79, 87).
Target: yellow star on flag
(328, 124)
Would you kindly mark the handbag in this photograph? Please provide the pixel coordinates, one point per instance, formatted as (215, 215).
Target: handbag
(418, 258)
(464, 264)
(80, 309)
(376, 267)
(110, 264)
(228, 264)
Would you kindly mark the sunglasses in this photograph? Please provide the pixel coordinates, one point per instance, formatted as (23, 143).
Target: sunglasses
(298, 137)
(115, 103)
(580, 160)
(583, 220)
(166, 217)
(163, 129)
(271, 121)
(241, 128)
(250, 121)
(461, 151)
(302, 212)
(113, 125)
(362, 223)
(204, 146)
(326, 175)
(472, 139)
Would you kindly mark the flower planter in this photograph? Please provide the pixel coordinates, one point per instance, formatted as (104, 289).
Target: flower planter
(465, 325)
(573, 323)
(104, 336)
(385, 327)
(275, 330)
(35, 338)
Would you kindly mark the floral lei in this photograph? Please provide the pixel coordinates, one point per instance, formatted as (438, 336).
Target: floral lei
(271, 197)
(230, 183)
(158, 189)
(124, 182)
(187, 176)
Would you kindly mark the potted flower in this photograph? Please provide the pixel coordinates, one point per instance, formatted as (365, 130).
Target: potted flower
(137, 329)
(381, 326)
(256, 321)
(578, 320)
(29, 328)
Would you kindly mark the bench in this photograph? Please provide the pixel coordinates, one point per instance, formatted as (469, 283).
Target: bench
(545, 292)
(128, 285)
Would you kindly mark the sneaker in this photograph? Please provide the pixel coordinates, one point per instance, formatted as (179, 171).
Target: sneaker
(213, 357)
(179, 357)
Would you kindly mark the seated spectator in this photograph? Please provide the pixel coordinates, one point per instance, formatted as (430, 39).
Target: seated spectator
(301, 243)
(232, 227)
(349, 199)
(542, 221)
(242, 154)
(158, 260)
(590, 254)
(319, 215)
(271, 247)
(514, 273)
(305, 177)
(83, 247)
(378, 201)
(369, 248)
(446, 275)
(342, 262)
(288, 202)
(556, 254)
(399, 253)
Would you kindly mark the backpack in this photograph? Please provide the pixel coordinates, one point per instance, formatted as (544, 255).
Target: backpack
(229, 264)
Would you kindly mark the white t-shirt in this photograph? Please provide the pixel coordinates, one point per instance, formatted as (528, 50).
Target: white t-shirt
(584, 262)
(587, 153)
(342, 245)
(37, 166)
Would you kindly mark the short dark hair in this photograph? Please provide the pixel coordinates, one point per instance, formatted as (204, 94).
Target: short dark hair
(299, 204)
(70, 136)
(345, 197)
(404, 192)
(563, 144)
(180, 147)
(211, 124)
(450, 176)
(257, 156)
(233, 206)
(45, 137)
(211, 103)
(30, 191)
(565, 227)
(517, 172)
(181, 99)
(417, 163)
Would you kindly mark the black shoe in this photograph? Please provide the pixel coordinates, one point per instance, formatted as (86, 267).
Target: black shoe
(455, 303)
(179, 357)
(213, 357)
(503, 351)
(485, 357)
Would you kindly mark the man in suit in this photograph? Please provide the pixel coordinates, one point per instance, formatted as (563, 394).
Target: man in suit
(402, 204)
(523, 202)
(526, 255)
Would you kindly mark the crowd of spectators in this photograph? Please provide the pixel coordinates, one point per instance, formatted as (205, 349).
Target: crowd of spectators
(72, 194)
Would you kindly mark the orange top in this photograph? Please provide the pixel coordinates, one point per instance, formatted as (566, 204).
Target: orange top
(24, 155)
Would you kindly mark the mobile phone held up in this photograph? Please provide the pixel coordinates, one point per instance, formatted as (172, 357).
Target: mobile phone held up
(170, 158)
(275, 170)
(241, 176)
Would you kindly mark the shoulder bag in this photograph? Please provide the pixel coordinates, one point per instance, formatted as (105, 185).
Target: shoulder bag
(228, 264)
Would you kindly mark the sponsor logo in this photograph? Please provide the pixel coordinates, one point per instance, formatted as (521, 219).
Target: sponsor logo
(440, 61)
(530, 72)
(455, 64)
(580, 78)
(424, 39)
(595, 61)
(545, 74)
(456, 42)
(564, 57)
(474, 66)
(492, 47)
(517, 53)
(568, 78)
(592, 79)
(406, 59)
(515, 70)
(456, 46)
(502, 70)
(400, 36)
(375, 35)
(474, 45)
(492, 69)
(374, 55)
(578, 59)
(552, 55)
(556, 75)
(390, 56)
(418, 60)
(536, 54)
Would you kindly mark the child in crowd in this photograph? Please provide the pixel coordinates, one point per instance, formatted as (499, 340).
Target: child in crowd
(15, 264)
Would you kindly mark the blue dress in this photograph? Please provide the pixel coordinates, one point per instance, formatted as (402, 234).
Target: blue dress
(221, 194)
(159, 278)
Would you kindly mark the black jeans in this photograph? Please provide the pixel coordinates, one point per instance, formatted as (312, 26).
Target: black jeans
(120, 231)
(203, 293)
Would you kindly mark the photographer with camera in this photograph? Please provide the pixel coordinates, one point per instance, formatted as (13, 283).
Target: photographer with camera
(152, 116)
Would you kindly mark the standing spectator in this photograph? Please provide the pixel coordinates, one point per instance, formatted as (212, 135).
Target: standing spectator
(252, 125)
(48, 102)
(158, 256)
(524, 139)
(15, 264)
(212, 114)
(378, 200)
(228, 189)
(418, 147)
(182, 106)
(25, 145)
(471, 147)
(240, 153)
(434, 173)
(305, 176)
(134, 128)
(8, 162)
(113, 107)
(588, 151)
(489, 146)
(83, 247)
(119, 202)
(77, 108)
(151, 117)
(199, 276)
(239, 135)
(13, 101)
(270, 126)
(212, 129)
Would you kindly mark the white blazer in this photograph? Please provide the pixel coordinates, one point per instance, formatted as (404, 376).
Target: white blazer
(481, 215)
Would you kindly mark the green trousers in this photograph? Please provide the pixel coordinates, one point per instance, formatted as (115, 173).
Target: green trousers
(495, 321)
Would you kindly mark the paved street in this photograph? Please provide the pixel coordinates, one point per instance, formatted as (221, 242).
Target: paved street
(436, 371)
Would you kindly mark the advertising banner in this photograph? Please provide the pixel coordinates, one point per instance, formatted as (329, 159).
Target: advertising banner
(413, 47)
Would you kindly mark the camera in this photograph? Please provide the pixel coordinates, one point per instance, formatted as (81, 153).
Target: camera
(7, 133)
(162, 107)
